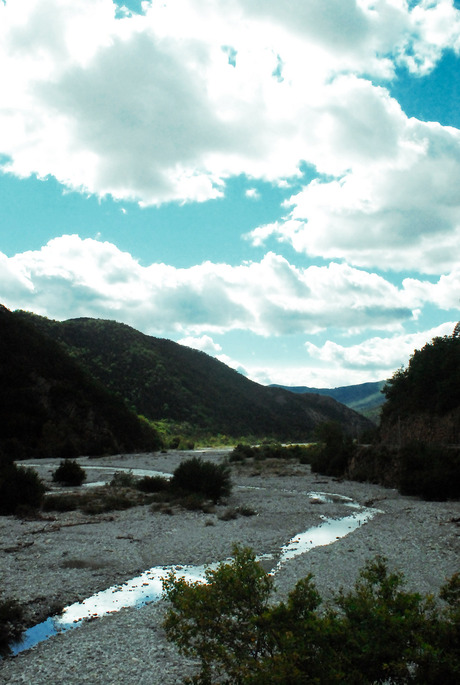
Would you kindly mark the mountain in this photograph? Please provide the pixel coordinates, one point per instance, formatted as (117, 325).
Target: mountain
(161, 379)
(50, 406)
(365, 398)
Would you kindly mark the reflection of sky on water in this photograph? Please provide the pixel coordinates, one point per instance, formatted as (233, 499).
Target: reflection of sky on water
(148, 586)
(136, 592)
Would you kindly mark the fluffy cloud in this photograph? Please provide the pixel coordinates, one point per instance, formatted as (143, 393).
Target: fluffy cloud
(168, 104)
(204, 343)
(397, 208)
(381, 355)
(74, 277)
(332, 365)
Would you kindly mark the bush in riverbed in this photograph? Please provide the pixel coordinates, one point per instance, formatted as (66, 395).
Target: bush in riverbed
(11, 623)
(19, 487)
(69, 472)
(123, 479)
(241, 452)
(152, 484)
(202, 477)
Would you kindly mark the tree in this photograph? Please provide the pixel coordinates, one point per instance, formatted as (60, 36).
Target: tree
(218, 621)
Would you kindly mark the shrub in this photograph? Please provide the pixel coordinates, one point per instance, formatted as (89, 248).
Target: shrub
(204, 477)
(152, 484)
(11, 623)
(215, 621)
(67, 502)
(19, 487)
(376, 633)
(241, 452)
(69, 473)
(123, 479)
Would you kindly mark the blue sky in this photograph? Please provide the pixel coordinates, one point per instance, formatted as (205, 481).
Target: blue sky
(275, 184)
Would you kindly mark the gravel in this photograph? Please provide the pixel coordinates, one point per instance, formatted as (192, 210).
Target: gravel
(63, 558)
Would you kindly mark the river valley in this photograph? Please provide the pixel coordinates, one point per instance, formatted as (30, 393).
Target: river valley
(66, 558)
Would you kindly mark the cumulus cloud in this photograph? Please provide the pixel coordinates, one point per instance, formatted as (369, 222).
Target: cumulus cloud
(396, 213)
(168, 104)
(74, 277)
(381, 355)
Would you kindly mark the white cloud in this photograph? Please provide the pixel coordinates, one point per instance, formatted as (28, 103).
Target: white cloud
(150, 107)
(381, 355)
(332, 365)
(74, 277)
(397, 213)
(252, 193)
(204, 343)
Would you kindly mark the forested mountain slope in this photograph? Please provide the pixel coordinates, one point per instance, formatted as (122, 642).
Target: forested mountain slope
(164, 380)
(50, 406)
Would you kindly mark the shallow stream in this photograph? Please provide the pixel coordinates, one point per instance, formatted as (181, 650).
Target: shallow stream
(147, 587)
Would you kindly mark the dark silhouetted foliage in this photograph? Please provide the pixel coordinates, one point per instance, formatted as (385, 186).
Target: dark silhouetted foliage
(69, 472)
(430, 471)
(337, 448)
(20, 488)
(153, 484)
(430, 383)
(11, 623)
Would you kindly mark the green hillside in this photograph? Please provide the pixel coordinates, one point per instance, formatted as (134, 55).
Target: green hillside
(50, 406)
(161, 379)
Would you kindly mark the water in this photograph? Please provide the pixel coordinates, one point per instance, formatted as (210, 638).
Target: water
(147, 587)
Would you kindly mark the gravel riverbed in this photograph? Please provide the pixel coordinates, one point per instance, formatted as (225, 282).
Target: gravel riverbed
(65, 557)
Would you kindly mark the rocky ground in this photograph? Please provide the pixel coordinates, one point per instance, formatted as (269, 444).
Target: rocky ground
(62, 558)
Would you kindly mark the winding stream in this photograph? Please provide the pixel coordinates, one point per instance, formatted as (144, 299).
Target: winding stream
(147, 587)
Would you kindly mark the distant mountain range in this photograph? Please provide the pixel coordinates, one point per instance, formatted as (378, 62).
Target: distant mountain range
(365, 398)
(161, 379)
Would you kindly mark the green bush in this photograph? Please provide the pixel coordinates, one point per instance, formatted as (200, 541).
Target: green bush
(241, 452)
(69, 472)
(376, 633)
(203, 477)
(19, 487)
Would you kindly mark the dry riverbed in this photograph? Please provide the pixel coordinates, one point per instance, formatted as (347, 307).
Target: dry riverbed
(61, 558)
